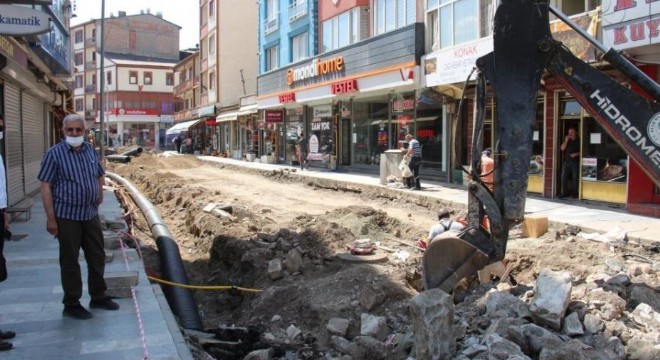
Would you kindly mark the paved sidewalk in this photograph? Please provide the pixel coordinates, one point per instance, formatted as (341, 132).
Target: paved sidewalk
(31, 303)
(590, 218)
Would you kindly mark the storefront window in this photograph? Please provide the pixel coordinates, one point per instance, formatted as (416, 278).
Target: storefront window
(294, 127)
(370, 135)
(321, 143)
(538, 134)
(430, 131)
(602, 158)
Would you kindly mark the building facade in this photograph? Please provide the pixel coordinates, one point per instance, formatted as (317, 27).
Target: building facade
(136, 80)
(35, 69)
(228, 68)
(359, 96)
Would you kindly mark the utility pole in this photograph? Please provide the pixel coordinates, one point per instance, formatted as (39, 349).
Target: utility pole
(243, 81)
(102, 87)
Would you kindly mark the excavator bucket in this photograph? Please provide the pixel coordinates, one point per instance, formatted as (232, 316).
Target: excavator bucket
(448, 259)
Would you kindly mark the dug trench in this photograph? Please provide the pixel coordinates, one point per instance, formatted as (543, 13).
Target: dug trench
(283, 240)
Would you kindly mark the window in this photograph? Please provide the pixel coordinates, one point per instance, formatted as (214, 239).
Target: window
(212, 45)
(573, 7)
(108, 77)
(79, 105)
(79, 81)
(271, 22)
(211, 80)
(211, 8)
(169, 79)
(393, 14)
(78, 58)
(299, 47)
(453, 22)
(79, 36)
(271, 58)
(343, 30)
(132, 77)
(147, 78)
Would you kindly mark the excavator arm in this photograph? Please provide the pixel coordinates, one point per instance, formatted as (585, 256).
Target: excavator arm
(523, 50)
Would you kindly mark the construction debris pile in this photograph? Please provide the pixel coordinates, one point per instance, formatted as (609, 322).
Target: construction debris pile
(338, 276)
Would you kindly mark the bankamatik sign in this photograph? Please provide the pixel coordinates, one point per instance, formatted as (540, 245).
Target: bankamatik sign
(21, 20)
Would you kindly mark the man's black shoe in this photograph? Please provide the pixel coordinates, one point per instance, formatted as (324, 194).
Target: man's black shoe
(77, 312)
(105, 303)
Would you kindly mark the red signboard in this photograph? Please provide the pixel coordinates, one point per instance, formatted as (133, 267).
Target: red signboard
(403, 119)
(287, 98)
(344, 87)
(210, 122)
(401, 105)
(274, 116)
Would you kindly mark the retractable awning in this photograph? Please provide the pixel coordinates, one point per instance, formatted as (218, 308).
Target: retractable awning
(182, 126)
(227, 116)
(248, 109)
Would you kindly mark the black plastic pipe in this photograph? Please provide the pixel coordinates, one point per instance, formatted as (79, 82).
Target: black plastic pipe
(133, 152)
(118, 158)
(180, 299)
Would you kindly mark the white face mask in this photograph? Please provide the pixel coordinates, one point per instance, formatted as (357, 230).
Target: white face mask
(75, 141)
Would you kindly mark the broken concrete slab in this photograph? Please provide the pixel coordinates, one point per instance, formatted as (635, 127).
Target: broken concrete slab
(551, 298)
(338, 326)
(374, 326)
(572, 325)
(432, 314)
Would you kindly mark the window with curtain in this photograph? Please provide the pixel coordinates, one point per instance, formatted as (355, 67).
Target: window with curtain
(271, 58)
(299, 47)
(453, 22)
(342, 30)
(393, 14)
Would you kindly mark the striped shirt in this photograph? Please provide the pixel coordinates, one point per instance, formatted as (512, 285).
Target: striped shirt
(74, 180)
(416, 148)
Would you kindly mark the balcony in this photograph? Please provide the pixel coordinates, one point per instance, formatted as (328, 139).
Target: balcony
(271, 24)
(90, 88)
(297, 9)
(90, 65)
(90, 42)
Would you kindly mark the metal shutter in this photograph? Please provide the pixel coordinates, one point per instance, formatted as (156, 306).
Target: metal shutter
(33, 140)
(13, 142)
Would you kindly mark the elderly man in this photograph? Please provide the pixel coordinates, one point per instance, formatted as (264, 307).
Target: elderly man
(415, 155)
(72, 180)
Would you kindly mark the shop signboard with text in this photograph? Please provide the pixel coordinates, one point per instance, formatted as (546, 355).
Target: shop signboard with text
(273, 116)
(21, 20)
(629, 24)
(455, 64)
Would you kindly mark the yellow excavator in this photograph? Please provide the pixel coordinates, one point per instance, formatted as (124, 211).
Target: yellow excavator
(523, 49)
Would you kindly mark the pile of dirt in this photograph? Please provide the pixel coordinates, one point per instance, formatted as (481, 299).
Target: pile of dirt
(283, 237)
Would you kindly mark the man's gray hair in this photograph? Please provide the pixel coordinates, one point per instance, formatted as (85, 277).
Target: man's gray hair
(74, 117)
(409, 136)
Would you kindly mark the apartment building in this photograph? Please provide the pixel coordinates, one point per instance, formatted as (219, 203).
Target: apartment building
(228, 70)
(352, 88)
(137, 78)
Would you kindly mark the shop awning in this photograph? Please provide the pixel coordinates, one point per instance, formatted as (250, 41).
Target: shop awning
(227, 116)
(248, 109)
(182, 126)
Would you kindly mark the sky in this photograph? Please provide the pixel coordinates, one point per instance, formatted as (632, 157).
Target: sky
(184, 13)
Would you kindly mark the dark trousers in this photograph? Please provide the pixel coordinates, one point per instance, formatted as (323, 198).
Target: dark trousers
(74, 235)
(570, 169)
(414, 165)
(3, 262)
(303, 160)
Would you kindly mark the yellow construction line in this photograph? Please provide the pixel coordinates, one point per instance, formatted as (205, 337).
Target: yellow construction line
(203, 287)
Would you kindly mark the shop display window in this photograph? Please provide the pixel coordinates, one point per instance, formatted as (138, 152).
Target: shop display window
(370, 131)
(602, 158)
(538, 136)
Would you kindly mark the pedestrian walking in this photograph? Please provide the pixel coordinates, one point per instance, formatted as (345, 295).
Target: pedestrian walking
(72, 180)
(415, 155)
(303, 148)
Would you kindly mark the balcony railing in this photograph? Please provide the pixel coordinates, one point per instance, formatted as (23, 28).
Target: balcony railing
(297, 9)
(90, 65)
(90, 42)
(90, 88)
(271, 24)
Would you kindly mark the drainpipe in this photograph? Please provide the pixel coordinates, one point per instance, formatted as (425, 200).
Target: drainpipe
(180, 299)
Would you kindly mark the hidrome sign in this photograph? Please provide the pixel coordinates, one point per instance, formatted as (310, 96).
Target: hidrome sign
(21, 20)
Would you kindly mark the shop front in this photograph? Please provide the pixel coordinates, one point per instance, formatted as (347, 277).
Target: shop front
(128, 127)
(342, 101)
